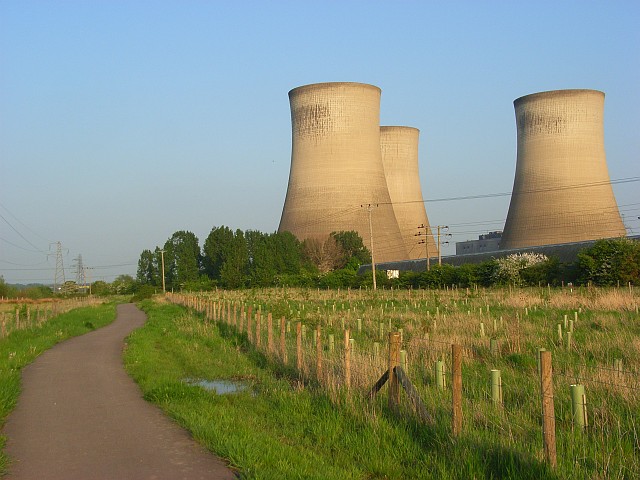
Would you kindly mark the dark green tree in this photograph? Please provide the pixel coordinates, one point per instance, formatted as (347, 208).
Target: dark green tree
(609, 262)
(355, 253)
(262, 264)
(182, 259)
(148, 271)
(216, 247)
(233, 273)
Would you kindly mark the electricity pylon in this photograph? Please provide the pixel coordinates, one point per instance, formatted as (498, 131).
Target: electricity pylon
(59, 276)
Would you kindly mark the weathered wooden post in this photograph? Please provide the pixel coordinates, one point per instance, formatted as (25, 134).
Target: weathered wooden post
(548, 410)
(258, 329)
(394, 361)
(319, 354)
(540, 350)
(456, 384)
(579, 406)
(283, 337)
(299, 346)
(347, 360)
(270, 333)
(617, 366)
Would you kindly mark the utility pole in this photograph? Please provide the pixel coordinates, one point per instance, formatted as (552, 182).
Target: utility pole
(425, 241)
(373, 262)
(164, 290)
(89, 274)
(444, 228)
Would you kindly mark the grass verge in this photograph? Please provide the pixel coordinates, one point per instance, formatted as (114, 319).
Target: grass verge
(281, 429)
(21, 347)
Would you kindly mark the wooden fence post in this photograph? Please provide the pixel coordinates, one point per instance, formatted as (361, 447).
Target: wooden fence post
(456, 385)
(299, 346)
(283, 345)
(270, 332)
(319, 354)
(394, 361)
(347, 359)
(548, 410)
(258, 329)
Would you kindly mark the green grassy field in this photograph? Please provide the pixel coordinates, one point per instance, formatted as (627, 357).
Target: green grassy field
(22, 346)
(293, 425)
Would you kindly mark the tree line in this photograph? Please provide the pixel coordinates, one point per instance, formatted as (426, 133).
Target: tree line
(248, 259)
(237, 259)
(240, 259)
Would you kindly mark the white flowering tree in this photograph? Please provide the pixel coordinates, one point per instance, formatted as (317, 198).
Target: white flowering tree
(509, 268)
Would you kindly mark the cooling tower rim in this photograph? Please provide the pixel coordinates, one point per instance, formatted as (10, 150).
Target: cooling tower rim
(398, 127)
(326, 85)
(556, 93)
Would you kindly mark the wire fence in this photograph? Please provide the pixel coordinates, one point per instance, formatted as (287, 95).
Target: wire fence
(18, 315)
(501, 382)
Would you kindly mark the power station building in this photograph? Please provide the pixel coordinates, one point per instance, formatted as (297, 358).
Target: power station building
(399, 146)
(561, 191)
(337, 180)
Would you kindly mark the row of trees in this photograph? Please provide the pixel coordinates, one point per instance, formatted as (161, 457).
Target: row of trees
(236, 259)
(246, 259)
(605, 263)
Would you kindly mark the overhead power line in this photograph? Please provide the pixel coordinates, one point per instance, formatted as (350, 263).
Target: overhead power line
(20, 234)
(24, 225)
(522, 192)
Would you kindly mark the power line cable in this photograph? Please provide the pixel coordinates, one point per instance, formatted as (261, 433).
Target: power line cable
(18, 246)
(522, 192)
(24, 225)
(20, 235)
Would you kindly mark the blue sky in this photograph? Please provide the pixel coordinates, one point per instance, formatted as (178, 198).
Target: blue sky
(122, 122)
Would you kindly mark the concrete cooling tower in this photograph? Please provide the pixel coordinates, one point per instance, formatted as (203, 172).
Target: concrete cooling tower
(336, 166)
(399, 146)
(561, 192)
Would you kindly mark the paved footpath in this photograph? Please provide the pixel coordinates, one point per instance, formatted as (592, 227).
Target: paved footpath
(80, 416)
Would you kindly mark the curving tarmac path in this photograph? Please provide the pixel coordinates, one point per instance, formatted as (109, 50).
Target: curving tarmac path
(80, 416)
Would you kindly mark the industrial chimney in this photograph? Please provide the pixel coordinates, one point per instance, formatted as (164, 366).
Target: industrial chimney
(561, 191)
(336, 168)
(399, 146)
